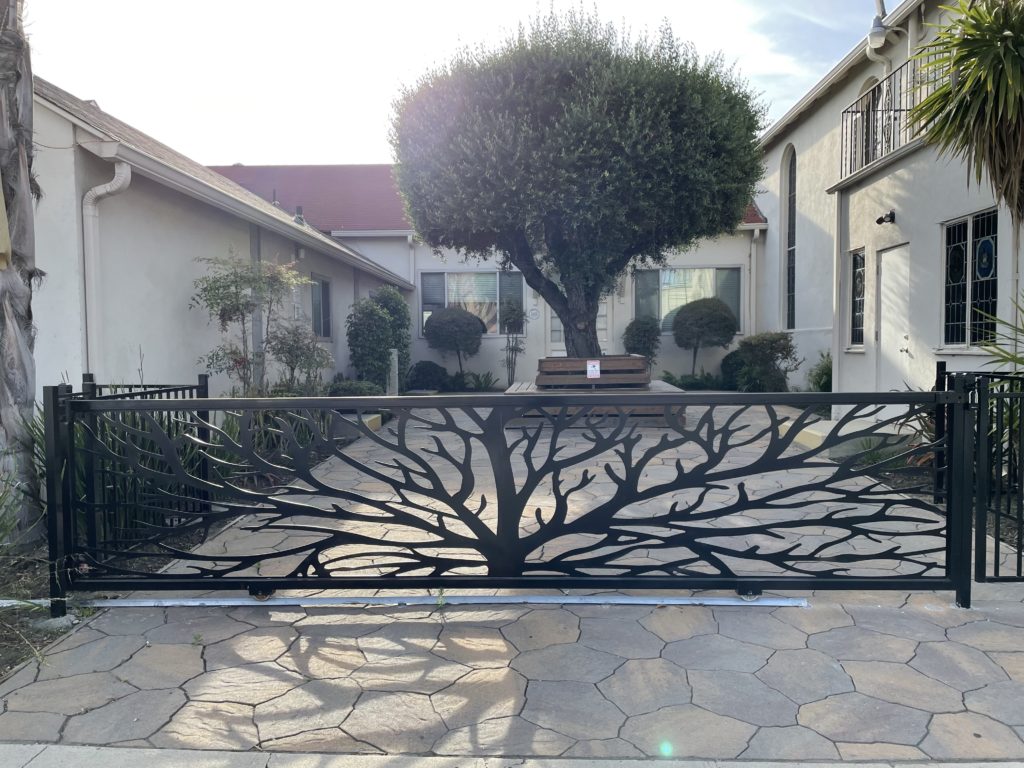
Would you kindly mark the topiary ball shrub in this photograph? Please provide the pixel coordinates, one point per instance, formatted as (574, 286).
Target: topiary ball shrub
(428, 375)
(454, 330)
(642, 337)
(704, 323)
(354, 388)
(731, 365)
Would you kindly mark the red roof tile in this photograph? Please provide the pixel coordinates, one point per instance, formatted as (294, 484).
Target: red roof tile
(752, 215)
(345, 197)
(333, 197)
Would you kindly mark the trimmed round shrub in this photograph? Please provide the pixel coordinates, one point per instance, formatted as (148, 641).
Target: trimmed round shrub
(428, 375)
(454, 330)
(354, 388)
(642, 337)
(731, 365)
(704, 323)
(767, 358)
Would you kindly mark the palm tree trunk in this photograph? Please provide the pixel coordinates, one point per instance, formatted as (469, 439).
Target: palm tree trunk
(18, 271)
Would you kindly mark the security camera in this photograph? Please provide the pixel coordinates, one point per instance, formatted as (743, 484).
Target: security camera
(886, 218)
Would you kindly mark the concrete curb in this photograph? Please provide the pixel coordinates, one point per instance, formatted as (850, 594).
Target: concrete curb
(56, 756)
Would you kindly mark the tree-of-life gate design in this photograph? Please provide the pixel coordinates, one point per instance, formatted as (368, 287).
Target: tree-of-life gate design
(474, 491)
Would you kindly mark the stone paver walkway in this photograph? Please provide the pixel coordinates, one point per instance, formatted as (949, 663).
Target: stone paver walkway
(870, 677)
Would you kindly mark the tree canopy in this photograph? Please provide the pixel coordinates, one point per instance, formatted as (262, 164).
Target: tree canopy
(573, 153)
(704, 323)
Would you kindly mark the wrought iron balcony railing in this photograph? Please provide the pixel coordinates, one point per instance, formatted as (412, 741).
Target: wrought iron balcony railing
(878, 122)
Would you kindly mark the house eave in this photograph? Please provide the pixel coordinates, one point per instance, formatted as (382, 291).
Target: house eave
(834, 76)
(372, 232)
(189, 185)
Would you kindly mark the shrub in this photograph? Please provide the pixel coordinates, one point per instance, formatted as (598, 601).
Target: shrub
(481, 382)
(731, 365)
(820, 376)
(767, 359)
(687, 381)
(296, 347)
(342, 387)
(390, 299)
(513, 321)
(704, 323)
(642, 337)
(454, 330)
(368, 330)
(428, 375)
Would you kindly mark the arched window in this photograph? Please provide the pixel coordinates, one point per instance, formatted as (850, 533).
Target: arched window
(789, 212)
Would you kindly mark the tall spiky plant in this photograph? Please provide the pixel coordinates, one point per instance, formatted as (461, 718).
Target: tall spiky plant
(975, 111)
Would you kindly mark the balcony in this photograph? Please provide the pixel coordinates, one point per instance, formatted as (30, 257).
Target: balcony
(878, 122)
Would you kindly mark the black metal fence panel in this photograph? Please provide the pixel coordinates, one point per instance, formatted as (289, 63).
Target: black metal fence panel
(999, 478)
(691, 491)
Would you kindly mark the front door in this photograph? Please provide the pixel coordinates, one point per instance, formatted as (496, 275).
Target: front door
(895, 347)
(556, 336)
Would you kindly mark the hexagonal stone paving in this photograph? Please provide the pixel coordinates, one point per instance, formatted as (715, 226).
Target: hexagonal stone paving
(859, 718)
(248, 684)
(790, 743)
(644, 685)
(717, 652)
(481, 695)
(313, 706)
(687, 731)
(136, 716)
(680, 622)
(576, 710)
(539, 629)
(953, 735)
(395, 722)
(209, 725)
(480, 647)
(742, 696)
(506, 736)
(567, 662)
(623, 638)
(899, 684)
(805, 675)
(957, 665)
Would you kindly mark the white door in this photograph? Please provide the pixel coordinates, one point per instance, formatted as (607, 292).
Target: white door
(895, 346)
(555, 346)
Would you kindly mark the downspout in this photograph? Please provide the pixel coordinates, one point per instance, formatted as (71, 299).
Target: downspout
(90, 286)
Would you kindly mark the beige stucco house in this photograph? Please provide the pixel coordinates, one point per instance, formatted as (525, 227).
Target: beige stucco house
(359, 206)
(119, 227)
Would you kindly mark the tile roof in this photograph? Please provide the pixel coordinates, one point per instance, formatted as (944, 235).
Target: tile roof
(336, 198)
(333, 197)
(88, 113)
(753, 215)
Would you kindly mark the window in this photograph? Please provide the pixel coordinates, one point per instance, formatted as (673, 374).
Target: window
(790, 304)
(971, 280)
(558, 334)
(659, 293)
(857, 299)
(321, 306)
(480, 293)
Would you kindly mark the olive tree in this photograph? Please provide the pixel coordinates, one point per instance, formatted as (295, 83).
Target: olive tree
(574, 153)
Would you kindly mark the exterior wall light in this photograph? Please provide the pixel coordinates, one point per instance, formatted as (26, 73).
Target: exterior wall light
(886, 218)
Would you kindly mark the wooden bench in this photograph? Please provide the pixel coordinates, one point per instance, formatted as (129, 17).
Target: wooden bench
(619, 371)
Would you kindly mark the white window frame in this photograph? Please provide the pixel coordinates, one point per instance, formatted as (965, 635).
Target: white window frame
(325, 284)
(497, 272)
(968, 219)
(741, 320)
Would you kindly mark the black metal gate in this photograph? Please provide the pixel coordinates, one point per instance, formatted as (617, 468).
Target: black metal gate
(998, 500)
(746, 492)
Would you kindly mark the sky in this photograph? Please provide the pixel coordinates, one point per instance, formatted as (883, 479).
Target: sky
(313, 81)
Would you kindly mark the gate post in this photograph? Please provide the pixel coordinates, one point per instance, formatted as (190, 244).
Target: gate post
(203, 435)
(958, 507)
(56, 456)
(939, 460)
(93, 509)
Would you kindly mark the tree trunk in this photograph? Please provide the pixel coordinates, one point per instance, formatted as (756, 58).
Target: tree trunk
(17, 367)
(579, 323)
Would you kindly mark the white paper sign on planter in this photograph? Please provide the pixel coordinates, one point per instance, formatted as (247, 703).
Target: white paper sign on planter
(593, 369)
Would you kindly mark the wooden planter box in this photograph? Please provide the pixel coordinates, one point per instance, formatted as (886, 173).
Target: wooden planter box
(614, 371)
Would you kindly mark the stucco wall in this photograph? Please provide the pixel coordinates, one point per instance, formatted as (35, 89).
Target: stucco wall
(57, 304)
(733, 251)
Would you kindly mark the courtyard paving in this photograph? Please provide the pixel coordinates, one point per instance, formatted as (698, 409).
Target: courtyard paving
(874, 676)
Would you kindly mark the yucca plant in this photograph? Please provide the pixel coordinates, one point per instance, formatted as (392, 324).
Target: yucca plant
(975, 112)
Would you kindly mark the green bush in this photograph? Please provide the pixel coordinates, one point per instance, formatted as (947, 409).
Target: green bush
(642, 337)
(296, 347)
(767, 359)
(704, 323)
(454, 330)
(731, 365)
(390, 299)
(368, 329)
(690, 382)
(342, 387)
(428, 375)
(481, 382)
(820, 376)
